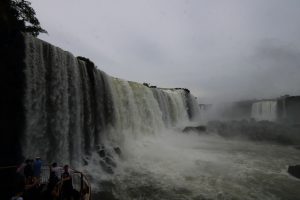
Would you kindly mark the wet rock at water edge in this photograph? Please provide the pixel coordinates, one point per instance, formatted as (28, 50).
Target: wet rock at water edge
(294, 171)
(197, 129)
(101, 151)
(107, 161)
(106, 167)
(118, 150)
(297, 147)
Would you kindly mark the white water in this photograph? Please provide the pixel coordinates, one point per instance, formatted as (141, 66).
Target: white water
(71, 110)
(176, 166)
(264, 110)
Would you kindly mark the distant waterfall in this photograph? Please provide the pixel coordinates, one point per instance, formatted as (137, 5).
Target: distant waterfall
(71, 107)
(264, 110)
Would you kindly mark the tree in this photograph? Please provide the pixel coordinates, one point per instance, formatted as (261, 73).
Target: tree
(19, 15)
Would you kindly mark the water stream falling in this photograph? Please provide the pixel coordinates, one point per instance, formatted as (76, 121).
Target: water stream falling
(264, 110)
(127, 137)
(71, 107)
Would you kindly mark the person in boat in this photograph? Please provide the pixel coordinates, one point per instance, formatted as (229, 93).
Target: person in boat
(19, 187)
(55, 172)
(31, 188)
(20, 177)
(17, 196)
(37, 166)
(55, 176)
(21, 167)
(28, 169)
(67, 186)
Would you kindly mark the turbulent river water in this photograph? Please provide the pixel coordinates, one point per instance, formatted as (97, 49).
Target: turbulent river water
(177, 166)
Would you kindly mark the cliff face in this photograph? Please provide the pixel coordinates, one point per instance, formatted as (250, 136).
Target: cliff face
(12, 51)
(291, 109)
(12, 89)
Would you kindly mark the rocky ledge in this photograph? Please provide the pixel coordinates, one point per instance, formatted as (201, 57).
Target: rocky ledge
(294, 171)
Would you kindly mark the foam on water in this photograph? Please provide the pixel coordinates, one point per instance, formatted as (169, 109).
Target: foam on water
(171, 165)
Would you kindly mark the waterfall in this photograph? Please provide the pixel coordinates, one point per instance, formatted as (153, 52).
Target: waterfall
(264, 110)
(72, 107)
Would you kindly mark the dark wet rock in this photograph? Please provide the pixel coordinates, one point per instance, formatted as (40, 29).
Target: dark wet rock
(294, 171)
(118, 150)
(12, 115)
(185, 89)
(297, 147)
(197, 129)
(109, 161)
(107, 168)
(85, 162)
(102, 153)
(146, 84)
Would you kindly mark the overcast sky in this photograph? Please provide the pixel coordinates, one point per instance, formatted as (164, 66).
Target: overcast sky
(219, 49)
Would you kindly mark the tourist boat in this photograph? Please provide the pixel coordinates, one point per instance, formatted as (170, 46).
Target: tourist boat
(80, 181)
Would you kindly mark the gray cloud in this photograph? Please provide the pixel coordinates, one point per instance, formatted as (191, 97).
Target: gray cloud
(221, 50)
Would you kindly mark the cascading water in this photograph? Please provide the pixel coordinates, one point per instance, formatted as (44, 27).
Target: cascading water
(264, 110)
(72, 107)
(125, 136)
